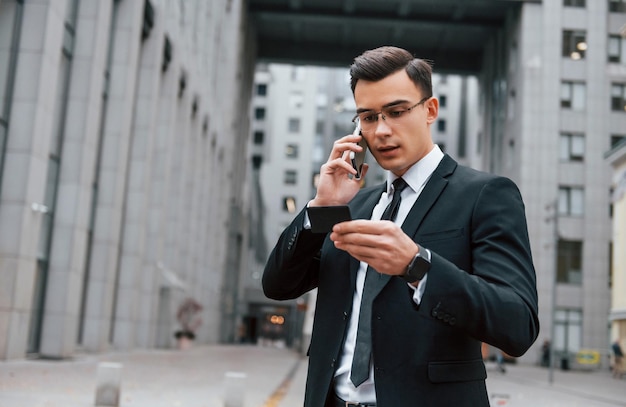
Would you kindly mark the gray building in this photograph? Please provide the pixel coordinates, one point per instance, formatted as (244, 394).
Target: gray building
(552, 104)
(282, 137)
(122, 126)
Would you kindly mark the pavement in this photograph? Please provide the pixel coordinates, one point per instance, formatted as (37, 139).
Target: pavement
(256, 376)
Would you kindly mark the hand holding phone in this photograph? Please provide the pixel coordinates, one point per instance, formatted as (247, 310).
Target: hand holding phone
(358, 158)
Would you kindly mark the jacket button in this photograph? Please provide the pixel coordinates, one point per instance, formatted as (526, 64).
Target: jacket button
(345, 315)
(452, 321)
(446, 318)
(434, 313)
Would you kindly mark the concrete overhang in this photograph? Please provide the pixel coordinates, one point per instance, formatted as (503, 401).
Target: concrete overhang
(452, 33)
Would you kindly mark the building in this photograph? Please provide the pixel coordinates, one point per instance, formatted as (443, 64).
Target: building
(122, 127)
(617, 158)
(283, 128)
(552, 103)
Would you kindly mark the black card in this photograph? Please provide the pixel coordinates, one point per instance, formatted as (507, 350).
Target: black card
(323, 218)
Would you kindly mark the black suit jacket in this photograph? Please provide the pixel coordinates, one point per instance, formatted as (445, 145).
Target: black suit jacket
(481, 288)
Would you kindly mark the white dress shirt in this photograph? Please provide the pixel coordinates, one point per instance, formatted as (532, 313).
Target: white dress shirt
(416, 177)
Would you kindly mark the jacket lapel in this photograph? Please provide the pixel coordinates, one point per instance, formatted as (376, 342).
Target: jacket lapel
(433, 188)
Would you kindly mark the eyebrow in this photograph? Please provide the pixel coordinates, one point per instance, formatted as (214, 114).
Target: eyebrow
(390, 104)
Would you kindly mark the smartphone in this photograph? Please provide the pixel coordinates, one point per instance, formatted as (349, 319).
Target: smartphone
(323, 218)
(358, 159)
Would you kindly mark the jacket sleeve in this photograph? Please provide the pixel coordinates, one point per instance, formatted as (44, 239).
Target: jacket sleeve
(495, 301)
(292, 268)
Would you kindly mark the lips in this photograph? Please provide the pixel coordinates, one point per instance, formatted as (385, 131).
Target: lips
(386, 149)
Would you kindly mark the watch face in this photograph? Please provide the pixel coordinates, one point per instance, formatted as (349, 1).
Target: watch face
(418, 267)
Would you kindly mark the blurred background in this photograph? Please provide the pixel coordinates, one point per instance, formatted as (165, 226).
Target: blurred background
(152, 151)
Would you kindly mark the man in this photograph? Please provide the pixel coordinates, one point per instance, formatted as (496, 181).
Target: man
(618, 358)
(453, 267)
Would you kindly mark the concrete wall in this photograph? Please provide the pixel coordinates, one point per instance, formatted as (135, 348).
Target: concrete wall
(149, 182)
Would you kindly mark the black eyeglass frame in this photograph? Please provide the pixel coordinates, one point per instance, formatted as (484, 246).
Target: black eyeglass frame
(407, 110)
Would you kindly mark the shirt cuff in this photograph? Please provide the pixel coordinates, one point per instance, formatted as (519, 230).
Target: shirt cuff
(307, 221)
(418, 292)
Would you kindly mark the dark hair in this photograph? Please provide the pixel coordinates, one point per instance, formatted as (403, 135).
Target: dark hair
(378, 63)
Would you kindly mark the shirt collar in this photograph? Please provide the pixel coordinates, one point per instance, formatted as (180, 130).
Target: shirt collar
(420, 172)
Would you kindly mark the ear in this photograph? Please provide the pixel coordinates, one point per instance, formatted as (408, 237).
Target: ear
(432, 108)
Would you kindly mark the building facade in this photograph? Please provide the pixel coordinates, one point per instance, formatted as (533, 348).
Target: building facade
(617, 158)
(553, 92)
(121, 130)
(281, 145)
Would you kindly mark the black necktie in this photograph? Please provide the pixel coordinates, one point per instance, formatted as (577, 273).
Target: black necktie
(363, 348)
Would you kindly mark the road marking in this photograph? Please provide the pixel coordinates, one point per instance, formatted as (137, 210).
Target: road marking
(279, 393)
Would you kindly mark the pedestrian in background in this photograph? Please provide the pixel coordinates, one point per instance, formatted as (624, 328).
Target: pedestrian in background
(500, 361)
(545, 353)
(410, 290)
(618, 359)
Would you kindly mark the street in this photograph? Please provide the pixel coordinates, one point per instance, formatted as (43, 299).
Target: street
(255, 376)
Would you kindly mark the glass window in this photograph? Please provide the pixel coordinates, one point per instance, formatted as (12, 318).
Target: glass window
(259, 113)
(616, 139)
(257, 160)
(443, 101)
(261, 89)
(571, 201)
(567, 330)
(617, 49)
(569, 262)
(294, 125)
(441, 125)
(291, 151)
(291, 177)
(573, 95)
(572, 147)
(574, 44)
(617, 6)
(618, 97)
(319, 127)
(574, 3)
(259, 137)
(289, 204)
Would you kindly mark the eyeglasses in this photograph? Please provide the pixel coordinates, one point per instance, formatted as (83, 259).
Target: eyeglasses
(390, 114)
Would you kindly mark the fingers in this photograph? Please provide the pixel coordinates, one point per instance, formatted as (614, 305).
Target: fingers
(381, 244)
(340, 155)
(345, 145)
(365, 234)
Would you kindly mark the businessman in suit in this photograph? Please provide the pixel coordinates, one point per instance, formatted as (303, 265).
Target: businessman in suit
(450, 267)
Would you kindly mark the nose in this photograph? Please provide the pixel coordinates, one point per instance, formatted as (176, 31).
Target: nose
(382, 127)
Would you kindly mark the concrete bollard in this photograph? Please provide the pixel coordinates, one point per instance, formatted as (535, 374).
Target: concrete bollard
(234, 389)
(108, 387)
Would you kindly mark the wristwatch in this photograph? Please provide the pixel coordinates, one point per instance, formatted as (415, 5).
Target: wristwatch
(418, 267)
